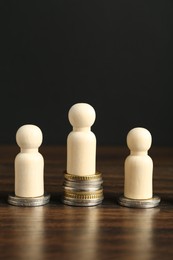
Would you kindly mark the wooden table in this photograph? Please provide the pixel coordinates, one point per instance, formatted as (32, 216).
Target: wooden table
(108, 231)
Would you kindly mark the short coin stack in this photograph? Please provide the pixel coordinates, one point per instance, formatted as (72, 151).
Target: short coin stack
(82, 190)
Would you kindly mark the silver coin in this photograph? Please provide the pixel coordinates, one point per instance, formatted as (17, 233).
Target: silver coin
(81, 203)
(28, 202)
(82, 188)
(85, 186)
(83, 183)
(139, 203)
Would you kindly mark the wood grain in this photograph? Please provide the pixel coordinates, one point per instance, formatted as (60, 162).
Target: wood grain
(108, 231)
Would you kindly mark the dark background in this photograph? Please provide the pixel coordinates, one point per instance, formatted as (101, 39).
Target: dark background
(115, 55)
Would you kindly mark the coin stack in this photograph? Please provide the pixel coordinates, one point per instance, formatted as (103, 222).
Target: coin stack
(82, 190)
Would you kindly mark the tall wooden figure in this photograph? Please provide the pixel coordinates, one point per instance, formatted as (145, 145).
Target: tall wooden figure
(82, 185)
(81, 142)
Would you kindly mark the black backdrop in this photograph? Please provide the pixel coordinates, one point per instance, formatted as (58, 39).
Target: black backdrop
(115, 55)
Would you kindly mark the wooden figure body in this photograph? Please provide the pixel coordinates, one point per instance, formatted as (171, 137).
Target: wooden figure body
(29, 163)
(81, 142)
(138, 165)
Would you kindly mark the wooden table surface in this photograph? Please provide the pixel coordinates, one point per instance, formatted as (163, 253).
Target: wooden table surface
(108, 231)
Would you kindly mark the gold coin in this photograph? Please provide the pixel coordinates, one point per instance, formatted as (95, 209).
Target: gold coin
(84, 195)
(72, 177)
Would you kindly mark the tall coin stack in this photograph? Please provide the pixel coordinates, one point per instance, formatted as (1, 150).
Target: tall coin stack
(82, 190)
